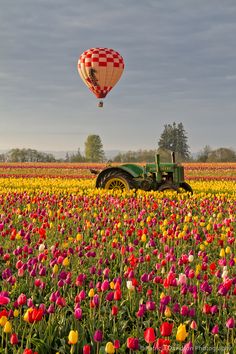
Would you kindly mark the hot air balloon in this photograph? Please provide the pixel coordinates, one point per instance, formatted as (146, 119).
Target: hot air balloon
(100, 69)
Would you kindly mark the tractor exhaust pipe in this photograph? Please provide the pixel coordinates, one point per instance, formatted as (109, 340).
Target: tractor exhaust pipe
(173, 157)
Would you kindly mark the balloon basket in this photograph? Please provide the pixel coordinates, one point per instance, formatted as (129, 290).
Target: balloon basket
(100, 104)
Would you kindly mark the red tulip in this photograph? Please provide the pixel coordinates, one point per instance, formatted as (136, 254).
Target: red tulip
(14, 339)
(86, 349)
(162, 344)
(116, 344)
(132, 343)
(114, 310)
(117, 294)
(36, 315)
(166, 329)
(29, 351)
(149, 335)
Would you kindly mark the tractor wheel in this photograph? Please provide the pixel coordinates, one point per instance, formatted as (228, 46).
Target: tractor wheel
(166, 186)
(116, 180)
(185, 187)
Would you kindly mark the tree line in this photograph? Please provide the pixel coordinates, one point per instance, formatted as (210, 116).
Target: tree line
(173, 138)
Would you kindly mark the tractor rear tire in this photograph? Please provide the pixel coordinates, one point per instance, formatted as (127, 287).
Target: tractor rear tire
(166, 186)
(186, 187)
(116, 180)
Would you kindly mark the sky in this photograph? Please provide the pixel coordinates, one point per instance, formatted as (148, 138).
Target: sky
(180, 66)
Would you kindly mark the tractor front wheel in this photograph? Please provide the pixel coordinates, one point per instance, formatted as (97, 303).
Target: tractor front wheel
(116, 180)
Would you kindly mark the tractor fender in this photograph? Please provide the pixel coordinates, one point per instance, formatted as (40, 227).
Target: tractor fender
(133, 170)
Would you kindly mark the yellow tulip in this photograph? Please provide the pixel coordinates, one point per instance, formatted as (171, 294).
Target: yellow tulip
(55, 269)
(16, 313)
(222, 253)
(143, 238)
(162, 295)
(66, 262)
(109, 348)
(8, 327)
(91, 293)
(79, 237)
(181, 333)
(112, 285)
(73, 337)
(3, 321)
(167, 312)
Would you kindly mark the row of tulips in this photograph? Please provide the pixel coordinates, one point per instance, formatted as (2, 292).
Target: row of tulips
(86, 271)
(59, 185)
(193, 171)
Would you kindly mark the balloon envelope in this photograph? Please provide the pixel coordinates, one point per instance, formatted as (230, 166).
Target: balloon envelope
(100, 69)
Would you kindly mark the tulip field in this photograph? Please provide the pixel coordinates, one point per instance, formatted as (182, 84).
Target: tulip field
(93, 271)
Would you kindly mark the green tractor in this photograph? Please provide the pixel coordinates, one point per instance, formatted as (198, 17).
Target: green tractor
(153, 176)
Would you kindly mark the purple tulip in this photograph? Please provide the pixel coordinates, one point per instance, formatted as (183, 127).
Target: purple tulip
(184, 311)
(151, 305)
(144, 278)
(98, 336)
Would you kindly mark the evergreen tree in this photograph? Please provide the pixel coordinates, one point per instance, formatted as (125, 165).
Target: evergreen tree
(174, 138)
(94, 149)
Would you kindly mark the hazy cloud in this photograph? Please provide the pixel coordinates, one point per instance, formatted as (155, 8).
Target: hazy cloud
(180, 66)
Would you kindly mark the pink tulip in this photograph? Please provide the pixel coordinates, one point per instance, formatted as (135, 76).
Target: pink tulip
(4, 300)
(230, 323)
(22, 299)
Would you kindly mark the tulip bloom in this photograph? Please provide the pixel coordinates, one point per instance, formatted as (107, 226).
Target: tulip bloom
(8, 327)
(163, 345)
(215, 330)
(114, 310)
(181, 333)
(193, 325)
(14, 339)
(149, 335)
(132, 343)
(73, 337)
(167, 312)
(35, 315)
(166, 329)
(78, 313)
(3, 321)
(4, 300)
(116, 344)
(188, 348)
(86, 349)
(117, 295)
(22, 299)
(230, 323)
(109, 348)
(98, 336)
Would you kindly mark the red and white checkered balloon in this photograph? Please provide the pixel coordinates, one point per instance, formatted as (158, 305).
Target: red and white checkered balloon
(100, 69)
